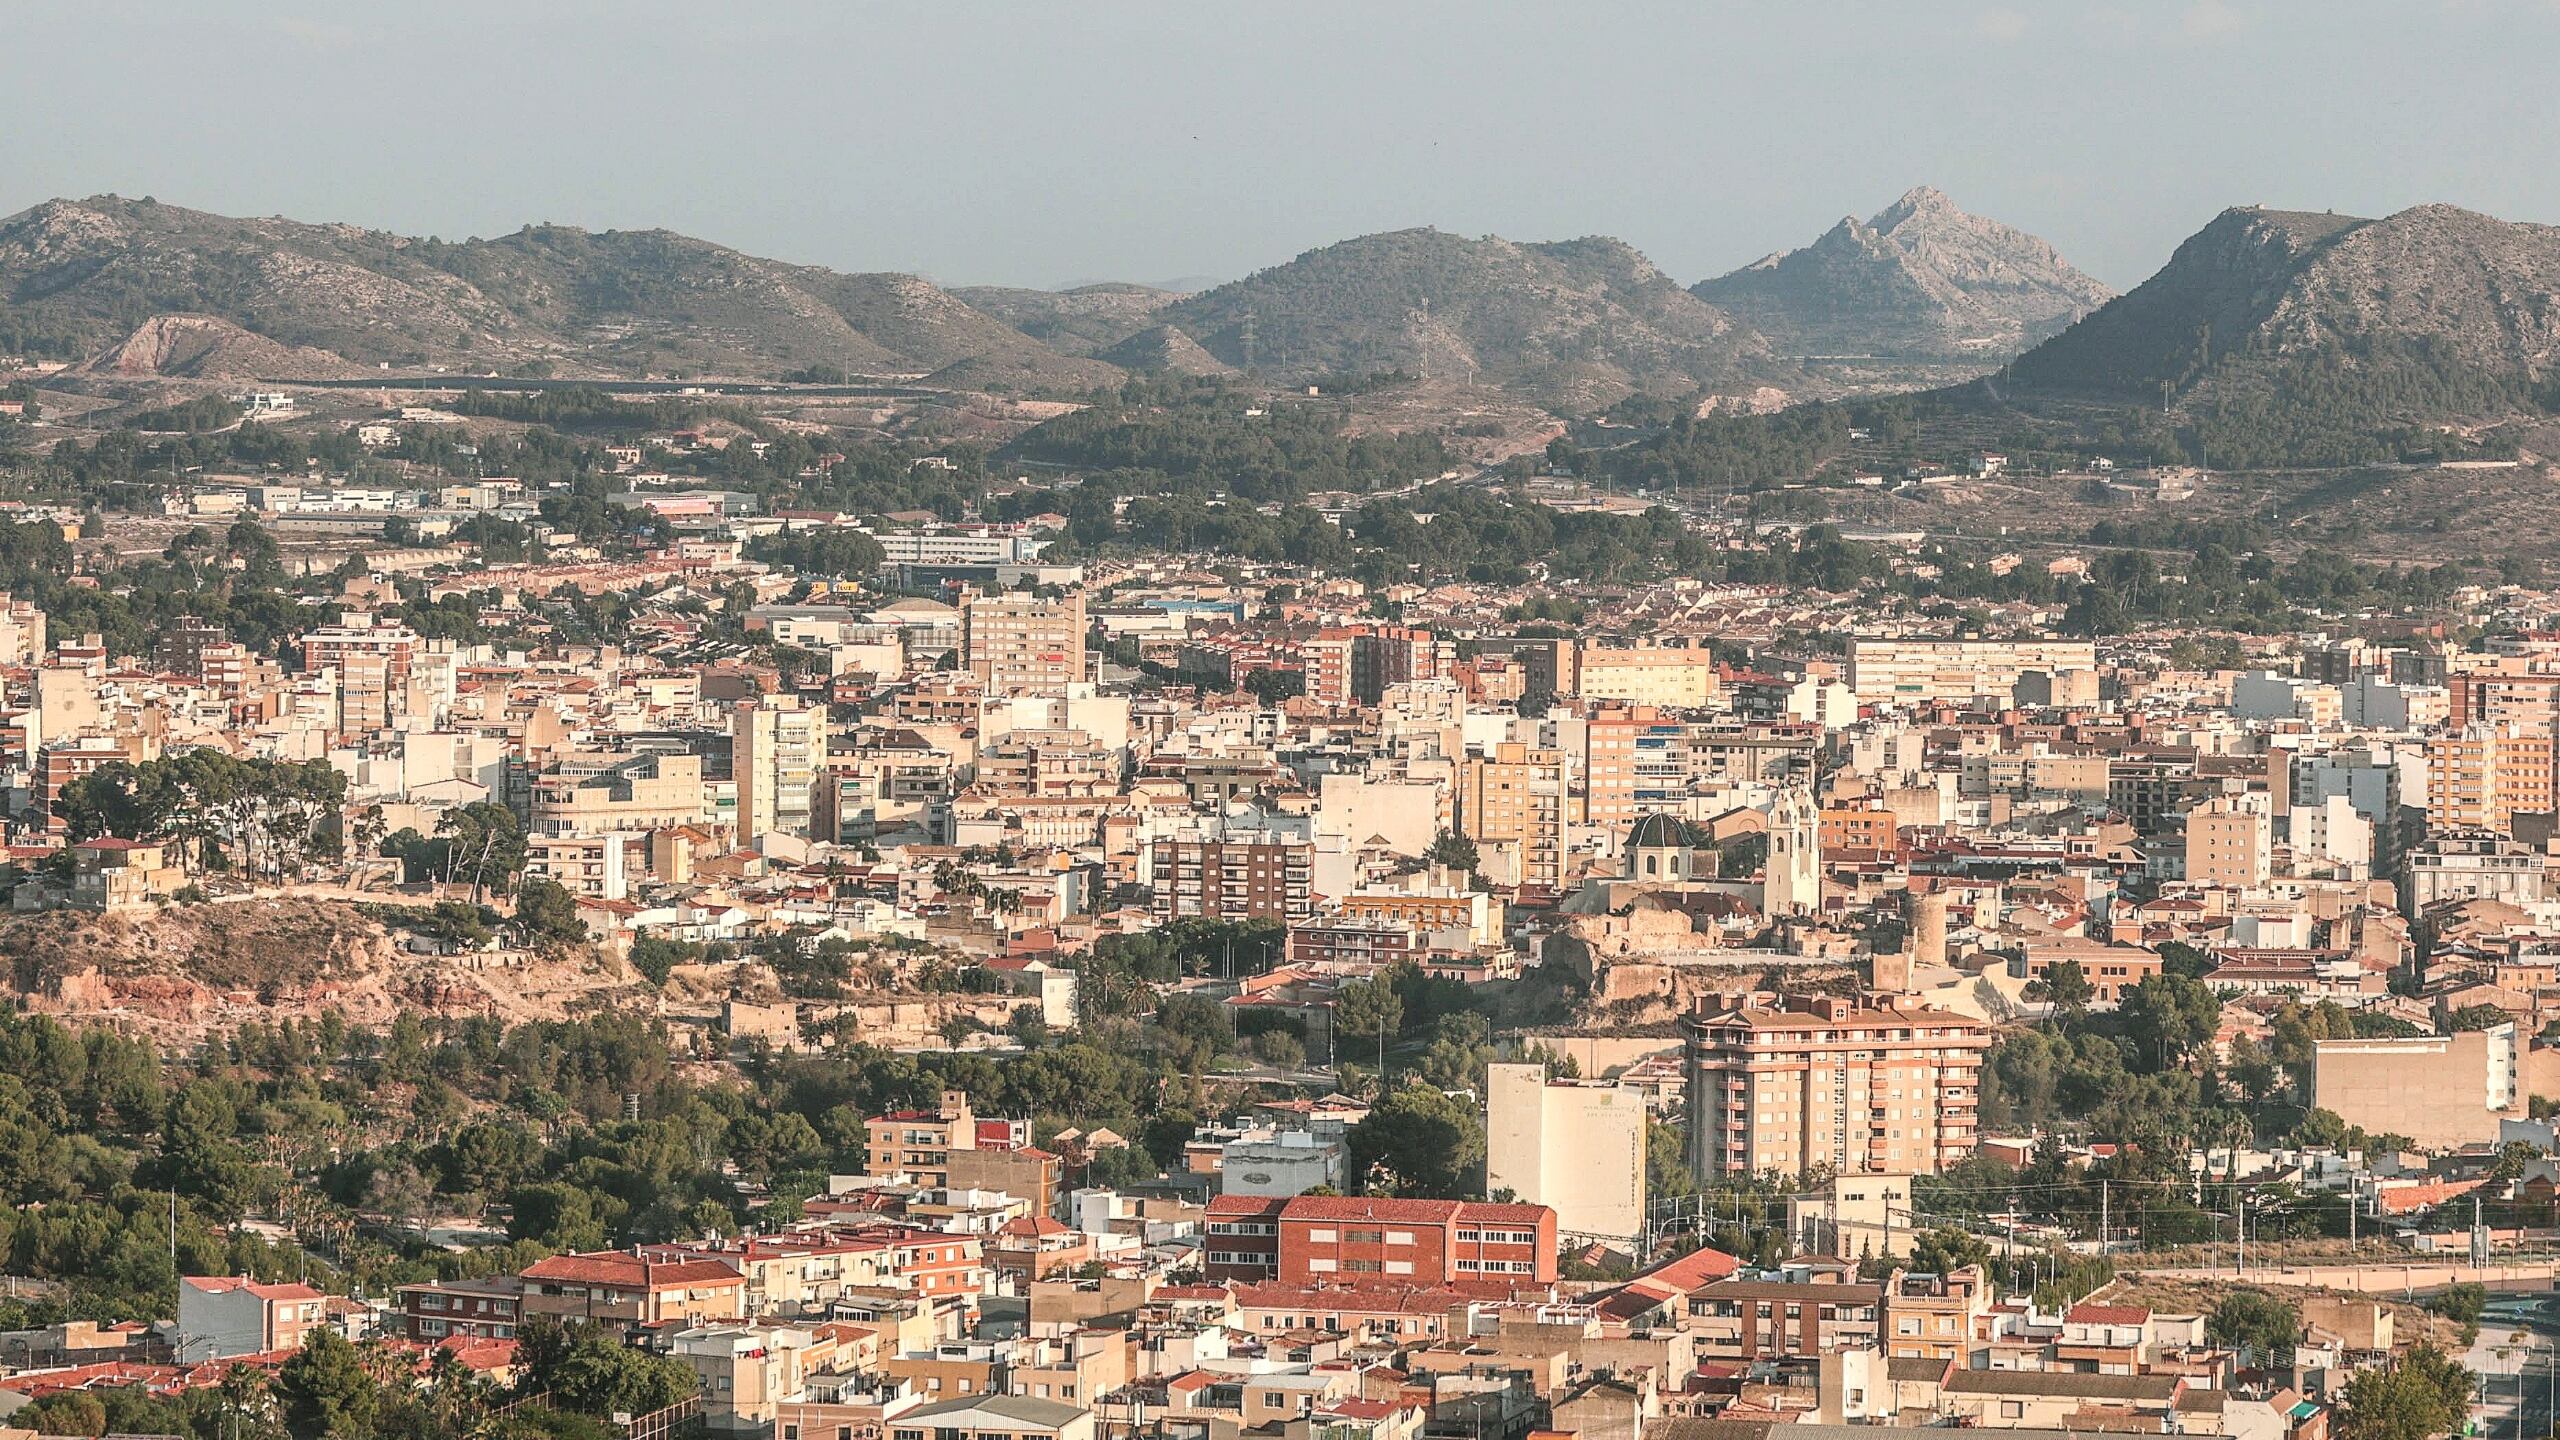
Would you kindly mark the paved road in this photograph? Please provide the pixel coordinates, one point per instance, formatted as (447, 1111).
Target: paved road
(2514, 1358)
(2415, 1277)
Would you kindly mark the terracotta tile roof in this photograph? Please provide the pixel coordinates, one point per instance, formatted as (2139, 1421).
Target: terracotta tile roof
(478, 1353)
(615, 1267)
(226, 1284)
(2403, 1199)
(1489, 1213)
(1694, 1269)
(1363, 1207)
(2107, 1315)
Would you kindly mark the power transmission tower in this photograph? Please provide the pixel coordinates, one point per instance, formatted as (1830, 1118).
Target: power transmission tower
(1244, 340)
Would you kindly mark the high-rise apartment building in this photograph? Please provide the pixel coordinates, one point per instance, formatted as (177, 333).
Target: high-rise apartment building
(1574, 1146)
(776, 750)
(1023, 644)
(2528, 701)
(1610, 740)
(1877, 1084)
(371, 657)
(2367, 776)
(2480, 776)
(180, 647)
(1516, 798)
(1354, 664)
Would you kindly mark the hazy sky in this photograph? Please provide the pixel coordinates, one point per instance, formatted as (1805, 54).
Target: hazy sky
(1051, 143)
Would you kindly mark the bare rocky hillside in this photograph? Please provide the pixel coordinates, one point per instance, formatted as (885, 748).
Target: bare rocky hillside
(1921, 280)
(193, 970)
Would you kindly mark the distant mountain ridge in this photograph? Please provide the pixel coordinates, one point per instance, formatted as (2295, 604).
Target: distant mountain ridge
(139, 289)
(1084, 320)
(94, 272)
(1573, 323)
(1922, 279)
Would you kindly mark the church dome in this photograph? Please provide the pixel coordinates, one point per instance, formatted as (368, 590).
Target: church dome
(1657, 832)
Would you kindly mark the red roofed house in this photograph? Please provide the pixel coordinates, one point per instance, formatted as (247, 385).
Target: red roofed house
(112, 874)
(1664, 1290)
(2422, 1195)
(2106, 1339)
(2123, 1339)
(1357, 1240)
(1035, 1247)
(623, 1286)
(220, 1316)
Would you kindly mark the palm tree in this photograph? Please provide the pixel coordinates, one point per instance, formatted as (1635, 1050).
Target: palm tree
(456, 1394)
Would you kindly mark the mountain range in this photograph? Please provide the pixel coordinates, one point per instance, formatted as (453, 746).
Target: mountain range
(143, 289)
(93, 273)
(2430, 313)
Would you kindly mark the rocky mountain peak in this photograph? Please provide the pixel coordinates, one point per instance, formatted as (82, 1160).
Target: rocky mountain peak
(1918, 202)
(1922, 279)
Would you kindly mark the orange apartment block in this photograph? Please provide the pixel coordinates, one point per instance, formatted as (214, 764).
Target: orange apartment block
(1856, 828)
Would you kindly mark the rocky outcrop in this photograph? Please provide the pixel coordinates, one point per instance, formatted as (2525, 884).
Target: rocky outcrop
(1920, 280)
(188, 971)
(205, 347)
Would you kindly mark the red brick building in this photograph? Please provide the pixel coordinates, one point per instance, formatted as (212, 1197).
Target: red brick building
(1243, 1240)
(474, 1309)
(1355, 1240)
